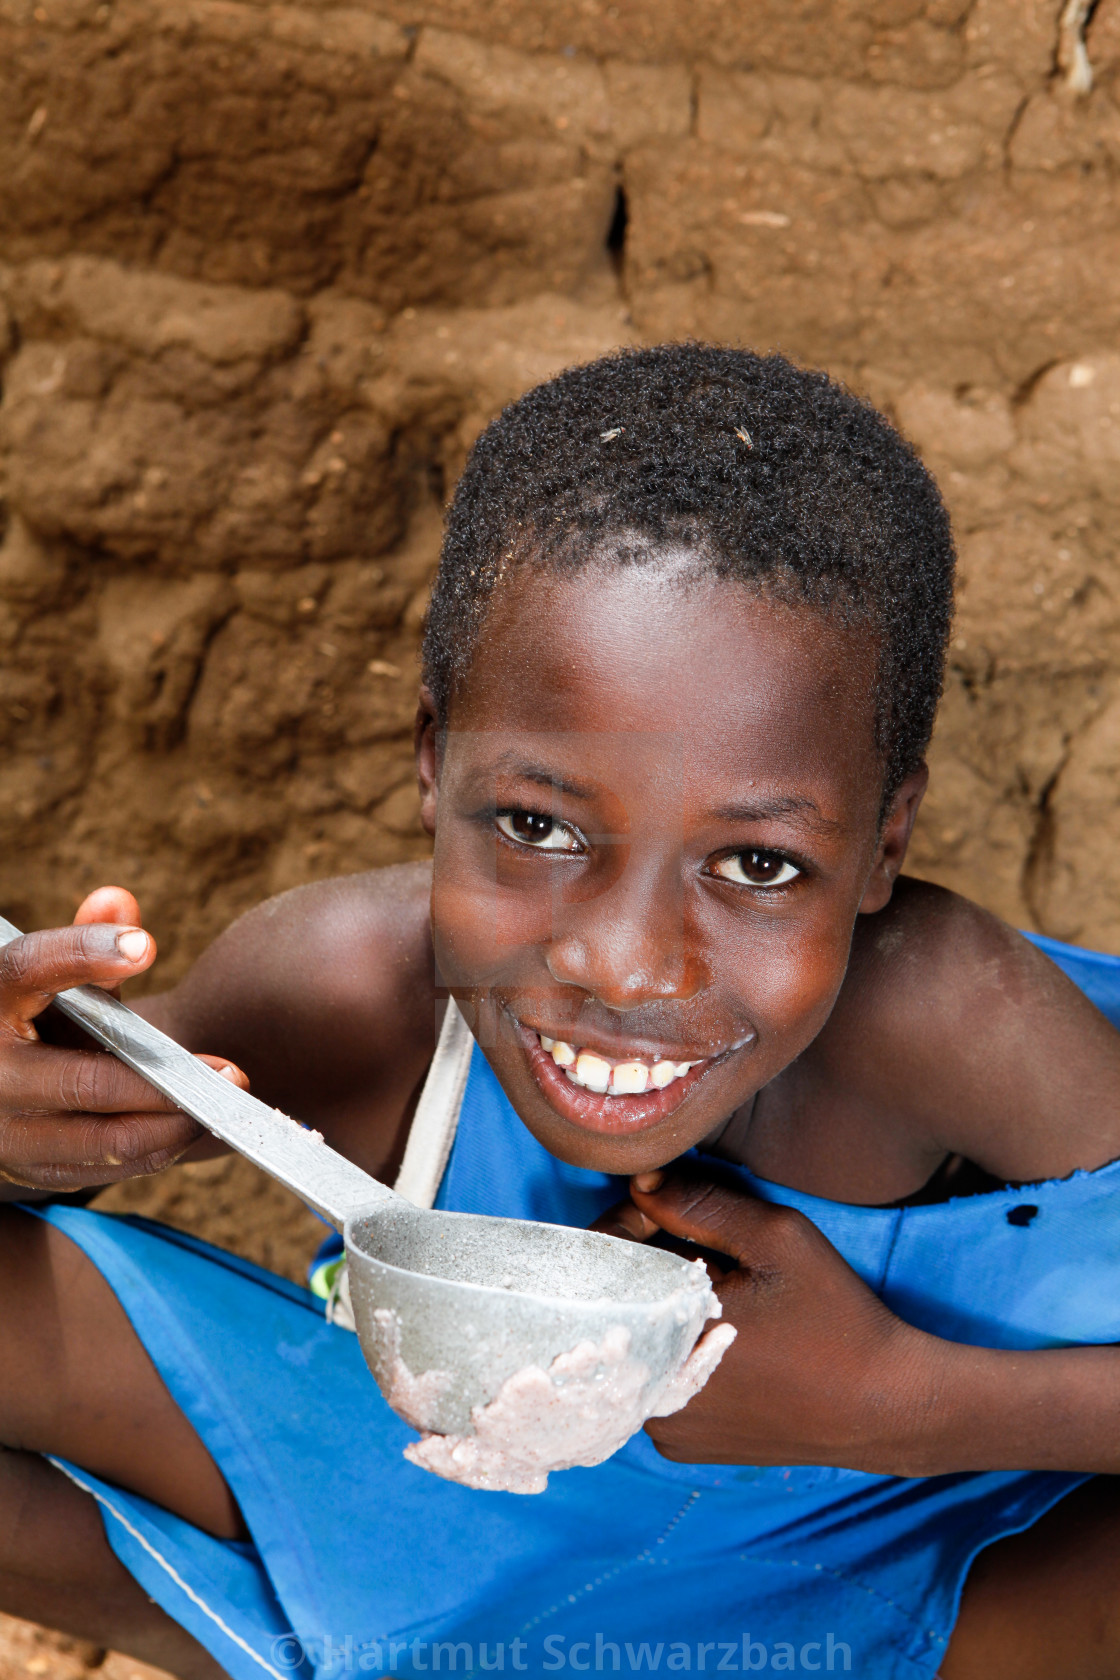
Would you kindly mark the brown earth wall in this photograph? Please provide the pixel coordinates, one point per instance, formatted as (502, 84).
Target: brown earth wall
(265, 270)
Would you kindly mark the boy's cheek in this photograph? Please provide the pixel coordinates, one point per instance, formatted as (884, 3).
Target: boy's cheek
(792, 976)
(486, 910)
(480, 932)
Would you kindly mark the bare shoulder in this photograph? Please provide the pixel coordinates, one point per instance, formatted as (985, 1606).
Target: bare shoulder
(978, 1039)
(325, 995)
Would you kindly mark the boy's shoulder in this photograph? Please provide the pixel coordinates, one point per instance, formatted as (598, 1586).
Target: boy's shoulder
(351, 941)
(956, 1028)
(325, 995)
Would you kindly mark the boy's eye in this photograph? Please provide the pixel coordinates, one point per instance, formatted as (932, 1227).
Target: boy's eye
(757, 868)
(530, 828)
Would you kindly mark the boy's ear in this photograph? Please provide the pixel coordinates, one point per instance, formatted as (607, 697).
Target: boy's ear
(425, 744)
(893, 842)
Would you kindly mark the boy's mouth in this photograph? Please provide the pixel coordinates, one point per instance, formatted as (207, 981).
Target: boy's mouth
(616, 1079)
(602, 1094)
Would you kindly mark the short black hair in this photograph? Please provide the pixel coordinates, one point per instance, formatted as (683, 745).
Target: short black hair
(773, 475)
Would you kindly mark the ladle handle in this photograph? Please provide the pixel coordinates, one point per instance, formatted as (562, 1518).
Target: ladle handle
(297, 1158)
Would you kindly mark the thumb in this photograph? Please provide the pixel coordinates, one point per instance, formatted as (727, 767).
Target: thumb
(712, 1215)
(117, 906)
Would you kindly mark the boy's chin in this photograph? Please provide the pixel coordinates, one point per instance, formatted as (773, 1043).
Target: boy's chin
(620, 1156)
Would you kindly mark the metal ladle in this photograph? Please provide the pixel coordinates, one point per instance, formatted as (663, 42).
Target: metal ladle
(472, 1297)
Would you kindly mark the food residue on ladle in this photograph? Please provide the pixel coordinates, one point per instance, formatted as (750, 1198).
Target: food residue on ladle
(581, 1410)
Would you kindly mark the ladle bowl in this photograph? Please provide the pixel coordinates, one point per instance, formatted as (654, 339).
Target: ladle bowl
(480, 1298)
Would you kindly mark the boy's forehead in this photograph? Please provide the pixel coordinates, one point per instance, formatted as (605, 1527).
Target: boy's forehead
(633, 649)
(623, 664)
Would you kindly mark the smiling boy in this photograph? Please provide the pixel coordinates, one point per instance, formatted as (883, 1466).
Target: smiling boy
(681, 669)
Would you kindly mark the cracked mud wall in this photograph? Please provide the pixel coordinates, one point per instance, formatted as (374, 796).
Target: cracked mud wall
(265, 270)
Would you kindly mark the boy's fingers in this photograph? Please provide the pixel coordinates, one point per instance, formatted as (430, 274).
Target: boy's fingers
(730, 1221)
(626, 1221)
(108, 904)
(42, 1079)
(56, 1151)
(228, 1070)
(36, 966)
(73, 1118)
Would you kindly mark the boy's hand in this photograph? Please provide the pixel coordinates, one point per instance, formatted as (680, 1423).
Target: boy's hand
(69, 1117)
(821, 1372)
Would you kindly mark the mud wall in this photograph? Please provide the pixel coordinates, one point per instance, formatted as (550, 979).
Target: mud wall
(265, 270)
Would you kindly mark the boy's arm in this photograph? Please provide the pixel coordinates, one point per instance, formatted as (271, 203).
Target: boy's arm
(953, 1035)
(325, 997)
(821, 1372)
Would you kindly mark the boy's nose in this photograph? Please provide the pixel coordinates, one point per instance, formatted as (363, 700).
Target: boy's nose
(628, 948)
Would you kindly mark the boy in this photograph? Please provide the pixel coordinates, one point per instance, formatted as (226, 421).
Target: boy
(680, 673)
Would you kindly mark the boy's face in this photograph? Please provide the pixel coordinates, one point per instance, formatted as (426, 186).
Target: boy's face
(656, 819)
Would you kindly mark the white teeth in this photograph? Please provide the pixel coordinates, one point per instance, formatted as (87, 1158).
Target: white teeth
(619, 1079)
(629, 1079)
(592, 1072)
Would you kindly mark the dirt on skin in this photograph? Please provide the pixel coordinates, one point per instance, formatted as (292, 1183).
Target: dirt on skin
(265, 271)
